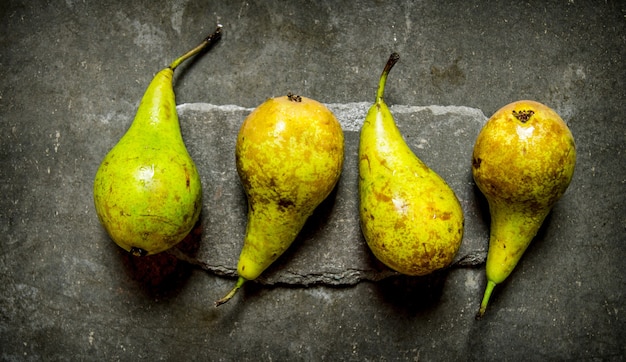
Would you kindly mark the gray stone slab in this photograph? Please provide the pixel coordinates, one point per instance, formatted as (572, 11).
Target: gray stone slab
(330, 249)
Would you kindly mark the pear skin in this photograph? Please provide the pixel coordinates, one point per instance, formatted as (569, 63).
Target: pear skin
(523, 161)
(411, 219)
(147, 191)
(289, 157)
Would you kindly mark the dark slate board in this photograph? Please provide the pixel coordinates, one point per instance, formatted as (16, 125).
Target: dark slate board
(330, 249)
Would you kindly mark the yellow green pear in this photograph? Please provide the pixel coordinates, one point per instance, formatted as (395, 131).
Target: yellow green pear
(523, 162)
(289, 156)
(147, 190)
(411, 219)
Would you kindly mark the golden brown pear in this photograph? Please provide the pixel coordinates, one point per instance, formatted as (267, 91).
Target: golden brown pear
(411, 219)
(289, 157)
(523, 162)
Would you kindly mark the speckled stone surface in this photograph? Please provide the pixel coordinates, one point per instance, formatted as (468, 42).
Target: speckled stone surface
(73, 73)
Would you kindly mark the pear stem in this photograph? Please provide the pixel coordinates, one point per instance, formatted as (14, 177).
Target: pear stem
(483, 305)
(232, 292)
(215, 36)
(393, 59)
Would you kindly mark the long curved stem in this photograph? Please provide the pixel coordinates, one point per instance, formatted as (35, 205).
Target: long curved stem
(215, 36)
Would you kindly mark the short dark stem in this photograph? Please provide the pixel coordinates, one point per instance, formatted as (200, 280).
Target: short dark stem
(294, 97)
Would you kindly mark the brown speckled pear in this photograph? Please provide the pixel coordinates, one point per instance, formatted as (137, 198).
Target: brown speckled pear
(289, 157)
(523, 161)
(410, 217)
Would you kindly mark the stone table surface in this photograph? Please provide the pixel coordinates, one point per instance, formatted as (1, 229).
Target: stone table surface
(73, 73)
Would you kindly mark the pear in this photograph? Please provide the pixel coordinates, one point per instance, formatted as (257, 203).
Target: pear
(289, 156)
(147, 190)
(411, 219)
(523, 161)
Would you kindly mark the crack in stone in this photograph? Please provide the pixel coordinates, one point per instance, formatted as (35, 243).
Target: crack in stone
(348, 277)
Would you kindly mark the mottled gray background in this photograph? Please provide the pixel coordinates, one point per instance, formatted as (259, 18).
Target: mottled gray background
(73, 73)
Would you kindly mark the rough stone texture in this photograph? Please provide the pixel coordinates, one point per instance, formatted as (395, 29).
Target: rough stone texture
(73, 73)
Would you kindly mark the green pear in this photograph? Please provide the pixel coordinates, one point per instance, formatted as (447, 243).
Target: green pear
(289, 157)
(147, 190)
(411, 219)
(523, 161)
